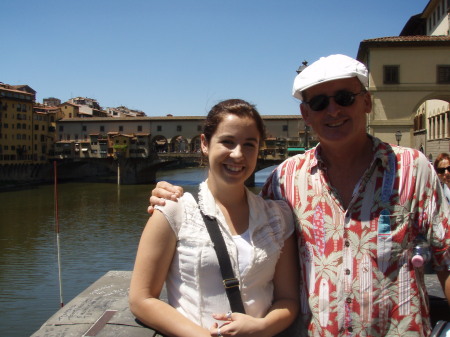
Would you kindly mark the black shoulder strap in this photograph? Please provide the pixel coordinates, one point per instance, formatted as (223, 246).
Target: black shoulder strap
(230, 282)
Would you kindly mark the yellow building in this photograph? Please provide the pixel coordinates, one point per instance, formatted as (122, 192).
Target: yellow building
(16, 124)
(69, 110)
(44, 118)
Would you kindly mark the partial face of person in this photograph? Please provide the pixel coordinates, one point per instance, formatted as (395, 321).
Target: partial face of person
(233, 150)
(442, 171)
(336, 110)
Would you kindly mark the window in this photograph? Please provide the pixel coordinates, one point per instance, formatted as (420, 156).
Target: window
(159, 128)
(199, 128)
(285, 128)
(179, 128)
(120, 128)
(84, 128)
(443, 74)
(102, 128)
(139, 128)
(391, 75)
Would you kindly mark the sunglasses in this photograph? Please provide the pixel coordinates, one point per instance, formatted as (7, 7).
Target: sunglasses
(441, 170)
(342, 97)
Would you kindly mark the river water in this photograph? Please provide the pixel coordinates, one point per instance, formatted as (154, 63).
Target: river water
(100, 226)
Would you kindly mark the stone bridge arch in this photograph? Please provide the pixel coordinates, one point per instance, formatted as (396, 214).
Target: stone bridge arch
(179, 144)
(195, 145)
(394, 111)
(159, 144)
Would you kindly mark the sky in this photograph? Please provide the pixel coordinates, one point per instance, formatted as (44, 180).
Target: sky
(181, 57)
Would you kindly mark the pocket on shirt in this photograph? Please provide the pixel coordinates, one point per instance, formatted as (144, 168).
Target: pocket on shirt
(400, 229)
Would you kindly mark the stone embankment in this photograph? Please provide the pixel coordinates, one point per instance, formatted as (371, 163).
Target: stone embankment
(131, 171)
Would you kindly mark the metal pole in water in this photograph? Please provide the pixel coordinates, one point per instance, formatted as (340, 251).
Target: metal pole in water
(57, 233)
(118, 172)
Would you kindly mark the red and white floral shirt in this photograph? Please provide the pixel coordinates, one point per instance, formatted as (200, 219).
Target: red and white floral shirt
(357, 278)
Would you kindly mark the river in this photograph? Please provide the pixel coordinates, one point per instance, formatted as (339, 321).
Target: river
(100, 226)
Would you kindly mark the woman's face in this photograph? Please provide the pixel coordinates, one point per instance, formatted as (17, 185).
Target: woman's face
(233, 150)
(445, 175)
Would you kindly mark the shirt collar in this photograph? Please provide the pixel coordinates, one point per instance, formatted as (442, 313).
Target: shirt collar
(380, 149)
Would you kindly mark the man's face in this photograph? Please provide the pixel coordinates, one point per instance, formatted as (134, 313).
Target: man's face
(336, 124)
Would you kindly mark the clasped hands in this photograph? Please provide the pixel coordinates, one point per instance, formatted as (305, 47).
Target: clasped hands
(237, 324)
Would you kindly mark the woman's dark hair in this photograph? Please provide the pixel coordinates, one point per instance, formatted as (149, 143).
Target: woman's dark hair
(440, 157)
(237, 107)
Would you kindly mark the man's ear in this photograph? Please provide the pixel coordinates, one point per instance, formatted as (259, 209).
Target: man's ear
(368, 102)
(204, 144)
(305, 113)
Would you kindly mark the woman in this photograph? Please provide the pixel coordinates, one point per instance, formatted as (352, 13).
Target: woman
(442, 167)
(175, 246)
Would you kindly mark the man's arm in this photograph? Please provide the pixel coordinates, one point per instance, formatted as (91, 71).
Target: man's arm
(444, 278)
(161, 192)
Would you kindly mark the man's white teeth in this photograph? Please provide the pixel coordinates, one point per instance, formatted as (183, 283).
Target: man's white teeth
(335, 124)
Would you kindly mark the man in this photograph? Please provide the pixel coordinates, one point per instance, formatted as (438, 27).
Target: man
(360, 204)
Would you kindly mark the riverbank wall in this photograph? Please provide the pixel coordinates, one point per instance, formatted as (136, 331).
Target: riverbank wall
(127, 171)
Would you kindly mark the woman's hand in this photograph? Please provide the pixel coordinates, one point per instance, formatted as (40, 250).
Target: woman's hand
(237, 324)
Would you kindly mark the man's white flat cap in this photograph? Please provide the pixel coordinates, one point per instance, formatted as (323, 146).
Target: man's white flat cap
(333, 67)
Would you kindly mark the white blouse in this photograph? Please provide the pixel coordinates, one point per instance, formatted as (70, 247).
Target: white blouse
(194, 282)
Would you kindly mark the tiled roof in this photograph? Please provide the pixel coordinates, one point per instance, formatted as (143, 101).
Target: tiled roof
(413, 38)
(164, 118)
(402, 41)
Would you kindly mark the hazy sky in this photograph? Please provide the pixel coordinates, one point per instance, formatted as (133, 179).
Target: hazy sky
(181, 57)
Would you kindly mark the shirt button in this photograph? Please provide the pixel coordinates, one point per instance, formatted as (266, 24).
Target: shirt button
(349, 300)
(347, 271)
(347, 243)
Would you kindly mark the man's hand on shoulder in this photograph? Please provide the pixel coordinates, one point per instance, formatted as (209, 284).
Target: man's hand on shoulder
(161, 192)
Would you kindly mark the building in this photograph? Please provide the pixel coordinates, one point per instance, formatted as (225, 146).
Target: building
(140, 136)
(16, 124)
(87, 107)
(51, 101)
(123, 111)
(409, 78)
(69, 110)
(44, 131)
